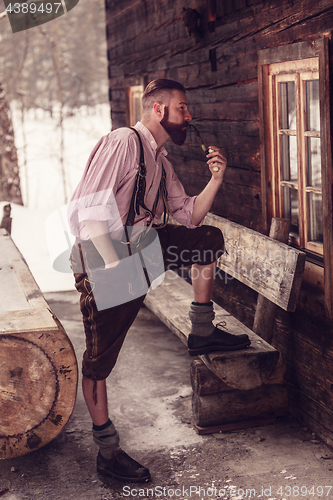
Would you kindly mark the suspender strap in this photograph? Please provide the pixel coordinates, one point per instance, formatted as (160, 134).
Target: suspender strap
(139, 191)
(139, 186)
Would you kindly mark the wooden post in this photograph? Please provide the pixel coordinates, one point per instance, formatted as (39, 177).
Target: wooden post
(266, 310)
(6, 222)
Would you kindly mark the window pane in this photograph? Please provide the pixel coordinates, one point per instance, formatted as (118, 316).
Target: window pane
(314, 162)
(312, 105)
(290, 207)
(288, 106)
(315, 217)
(289, 158)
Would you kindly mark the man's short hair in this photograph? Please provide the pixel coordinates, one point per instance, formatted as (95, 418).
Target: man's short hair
(159, 91)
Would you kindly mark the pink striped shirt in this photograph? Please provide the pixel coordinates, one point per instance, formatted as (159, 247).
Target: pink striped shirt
(106, 187)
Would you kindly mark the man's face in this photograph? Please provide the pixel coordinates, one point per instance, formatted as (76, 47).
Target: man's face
(175, 117)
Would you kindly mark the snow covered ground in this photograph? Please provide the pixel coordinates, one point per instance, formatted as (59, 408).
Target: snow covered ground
(42, 182)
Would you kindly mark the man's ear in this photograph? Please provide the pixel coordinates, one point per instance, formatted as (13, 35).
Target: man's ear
(159, 109)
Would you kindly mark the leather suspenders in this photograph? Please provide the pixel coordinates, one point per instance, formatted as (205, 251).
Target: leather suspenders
(138, 195)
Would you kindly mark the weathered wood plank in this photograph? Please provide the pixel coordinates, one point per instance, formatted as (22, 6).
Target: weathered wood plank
(212, 429)
(309, 410)
(204, 381)
(11, 294)
(31, 320)
(14, 260)
(152, 40)
(170, 302)
(271, 268)
(236, 406)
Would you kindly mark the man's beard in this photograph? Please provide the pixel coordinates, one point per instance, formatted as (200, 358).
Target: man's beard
(176, 132)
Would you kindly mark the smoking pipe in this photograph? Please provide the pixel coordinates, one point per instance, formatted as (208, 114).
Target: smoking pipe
(202, 144)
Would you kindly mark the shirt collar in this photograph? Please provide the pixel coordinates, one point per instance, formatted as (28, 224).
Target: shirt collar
(150, 139)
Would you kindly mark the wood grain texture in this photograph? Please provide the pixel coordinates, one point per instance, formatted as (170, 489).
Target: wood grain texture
(243, 369)
(214, 403)
(234, 426)
(237, 406)
(38, 367)
(205, 382)
(150, 40)
(271, 268)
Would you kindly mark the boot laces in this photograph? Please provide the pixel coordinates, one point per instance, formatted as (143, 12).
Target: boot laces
(222, 325)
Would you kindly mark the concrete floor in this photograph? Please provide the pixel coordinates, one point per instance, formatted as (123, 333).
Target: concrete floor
(150, 403)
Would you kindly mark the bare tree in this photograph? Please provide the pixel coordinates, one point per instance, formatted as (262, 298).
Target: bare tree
(49, 67)
(10, 189)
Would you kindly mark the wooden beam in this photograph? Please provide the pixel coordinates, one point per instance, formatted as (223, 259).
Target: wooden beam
(213, 429)
(238, 406)
(327, 174)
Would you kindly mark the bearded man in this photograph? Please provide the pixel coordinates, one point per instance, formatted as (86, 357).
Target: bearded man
(128, 182)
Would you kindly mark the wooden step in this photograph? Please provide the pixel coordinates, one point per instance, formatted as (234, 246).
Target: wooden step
(231, 406)
(244, 369)
(215, 405)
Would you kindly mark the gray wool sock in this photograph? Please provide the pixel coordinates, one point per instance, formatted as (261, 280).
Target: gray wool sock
(201, 316)
(107, 440)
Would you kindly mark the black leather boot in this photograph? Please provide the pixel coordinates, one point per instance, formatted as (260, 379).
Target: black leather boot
(122, 467)
(219, 340)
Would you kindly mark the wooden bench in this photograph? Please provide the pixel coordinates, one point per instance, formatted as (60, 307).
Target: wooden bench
(241, 388)
(38, 368)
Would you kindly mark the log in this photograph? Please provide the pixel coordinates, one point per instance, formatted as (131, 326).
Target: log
(219, 408)
(204, 381)
(237, 406)
(38, 367)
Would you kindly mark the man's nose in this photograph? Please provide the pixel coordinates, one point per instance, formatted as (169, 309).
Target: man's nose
(188, 116)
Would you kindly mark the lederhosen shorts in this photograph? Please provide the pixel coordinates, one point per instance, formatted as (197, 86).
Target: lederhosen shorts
(105, 330)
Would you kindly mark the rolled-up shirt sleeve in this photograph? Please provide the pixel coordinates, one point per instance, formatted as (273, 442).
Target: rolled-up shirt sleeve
(98, 206)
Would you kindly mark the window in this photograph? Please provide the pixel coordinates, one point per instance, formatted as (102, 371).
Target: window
(295, 135)
(296, 155)
(134, 95)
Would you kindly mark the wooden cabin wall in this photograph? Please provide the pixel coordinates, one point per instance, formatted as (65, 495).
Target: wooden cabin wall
(148, 40)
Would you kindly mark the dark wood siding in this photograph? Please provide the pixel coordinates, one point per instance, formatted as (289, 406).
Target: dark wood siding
(148, 40)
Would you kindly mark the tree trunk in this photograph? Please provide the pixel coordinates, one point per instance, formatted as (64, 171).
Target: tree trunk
(10, 189)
